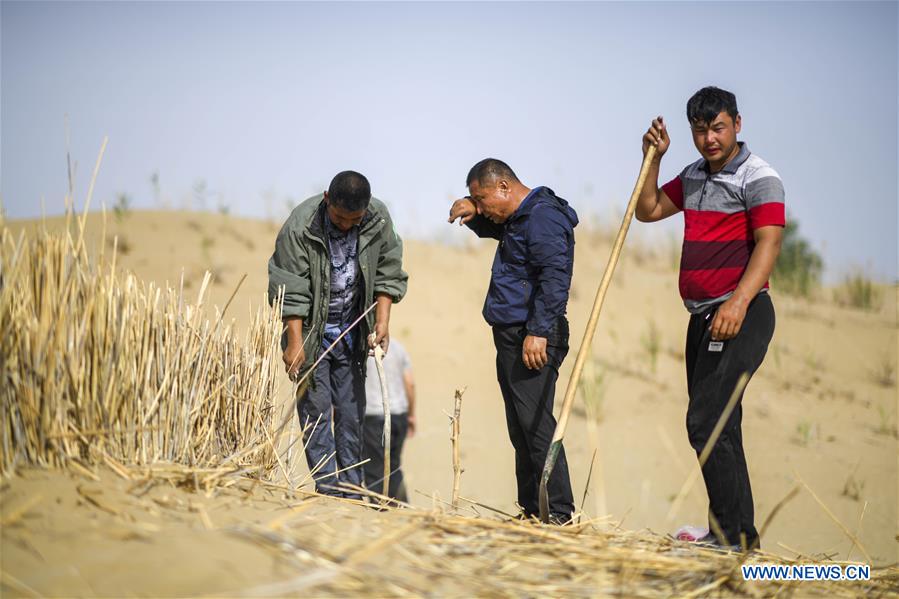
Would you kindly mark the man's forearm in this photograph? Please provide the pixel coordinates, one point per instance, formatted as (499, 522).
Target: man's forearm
(382, 311)
(294, 326)
(758, 271)
(484, 228)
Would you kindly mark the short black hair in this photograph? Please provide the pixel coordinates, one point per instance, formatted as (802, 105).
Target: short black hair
(708, 102)
(489, 169)
(350, 190)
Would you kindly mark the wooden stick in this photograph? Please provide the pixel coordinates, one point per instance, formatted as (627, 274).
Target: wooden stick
(587, 341)
(455, 437)
(385, 402)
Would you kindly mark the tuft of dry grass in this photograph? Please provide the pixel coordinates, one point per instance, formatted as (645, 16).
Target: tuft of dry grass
(860, 292)
(97, 364)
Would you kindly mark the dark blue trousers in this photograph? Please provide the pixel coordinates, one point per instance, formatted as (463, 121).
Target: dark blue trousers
(336, 400)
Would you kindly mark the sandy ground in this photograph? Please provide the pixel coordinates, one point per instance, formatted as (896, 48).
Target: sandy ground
(816, 411)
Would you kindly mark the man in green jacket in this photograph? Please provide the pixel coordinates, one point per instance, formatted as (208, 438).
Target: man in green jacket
(336, 255)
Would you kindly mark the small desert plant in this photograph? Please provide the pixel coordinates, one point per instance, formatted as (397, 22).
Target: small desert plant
(803, 434)
(799, 267)
(122, 207)
(859, 291)
(884, 373)
(885, 424)
(813, 361)
(652, 343)
(853, 487)
(157, 189)
(201, 193)
(206, 243)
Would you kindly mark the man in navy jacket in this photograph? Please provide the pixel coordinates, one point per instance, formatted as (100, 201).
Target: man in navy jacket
(526, 305)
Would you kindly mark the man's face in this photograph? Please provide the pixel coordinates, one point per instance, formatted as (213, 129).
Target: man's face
(717, 141)
(492, 201)
(341, 218)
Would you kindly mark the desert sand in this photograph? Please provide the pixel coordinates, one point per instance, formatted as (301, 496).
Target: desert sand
(821, 411)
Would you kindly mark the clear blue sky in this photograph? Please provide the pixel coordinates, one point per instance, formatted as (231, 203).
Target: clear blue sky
(265, 102)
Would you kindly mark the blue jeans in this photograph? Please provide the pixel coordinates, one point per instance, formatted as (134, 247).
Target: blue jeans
(336, 400)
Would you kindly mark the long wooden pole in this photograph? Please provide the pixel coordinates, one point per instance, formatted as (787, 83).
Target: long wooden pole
(587, 341)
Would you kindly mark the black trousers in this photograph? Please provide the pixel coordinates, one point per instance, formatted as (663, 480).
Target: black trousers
(373, 450)
(528, 396)
(711, 378)
(336, 400)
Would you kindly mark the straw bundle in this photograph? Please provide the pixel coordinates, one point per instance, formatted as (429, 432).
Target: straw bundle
(96, 364)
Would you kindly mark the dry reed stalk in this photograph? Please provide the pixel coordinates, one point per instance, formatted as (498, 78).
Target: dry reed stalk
(858, 529)
(709, 445)
(385, 404)
(18, 585)
(833, 517)
(13, 516)
(457, 452)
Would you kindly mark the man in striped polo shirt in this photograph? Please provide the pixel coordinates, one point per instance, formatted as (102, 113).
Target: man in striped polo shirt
(733, 205)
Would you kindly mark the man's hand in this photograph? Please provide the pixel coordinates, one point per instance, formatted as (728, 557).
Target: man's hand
(464, 209)
(410, 424)
(728, 318)
(293, 357)
(380, 336)
(657, 136)
(533, 352)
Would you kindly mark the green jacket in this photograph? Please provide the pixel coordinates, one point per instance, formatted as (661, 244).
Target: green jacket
(301, 264)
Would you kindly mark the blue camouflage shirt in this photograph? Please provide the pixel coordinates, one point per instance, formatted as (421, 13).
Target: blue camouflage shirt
(342, 304)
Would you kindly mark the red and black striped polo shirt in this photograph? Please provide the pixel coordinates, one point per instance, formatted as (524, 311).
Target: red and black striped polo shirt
(721, 211)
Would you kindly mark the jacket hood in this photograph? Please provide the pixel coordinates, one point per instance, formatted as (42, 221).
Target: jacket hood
(547, 197)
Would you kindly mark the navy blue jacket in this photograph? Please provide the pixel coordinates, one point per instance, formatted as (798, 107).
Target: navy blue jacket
(534, 260)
